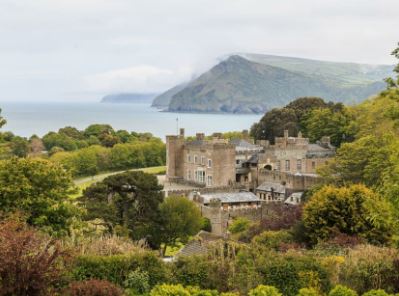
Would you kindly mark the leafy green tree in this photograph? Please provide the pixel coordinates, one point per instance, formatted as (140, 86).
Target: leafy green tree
(53, 139)
(326, 122)
(40, 190)
(342, 291)
(391, 82)
(362, 161)
(129, 200)
(180, 219)
(352, 210)
(20, 146)
(273, 124)
(71, 132)
(263, 290)
(2, 120)
(290, 118)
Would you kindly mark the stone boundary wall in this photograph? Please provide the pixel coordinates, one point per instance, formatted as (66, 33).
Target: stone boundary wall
(221, 219)
(204, 190)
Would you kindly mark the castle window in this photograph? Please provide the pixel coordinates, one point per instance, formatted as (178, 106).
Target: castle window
(203, 160)
(313, 164)
(209, 163)
(287, 165)
(278, 164)
(188, 158)
(188, 174)
(195, 159)
(200, 176)
(299, 165)
(209, 181)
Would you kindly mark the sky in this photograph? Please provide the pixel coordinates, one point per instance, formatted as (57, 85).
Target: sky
(81, 50)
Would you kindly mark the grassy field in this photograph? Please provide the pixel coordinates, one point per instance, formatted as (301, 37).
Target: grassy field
(83, 183)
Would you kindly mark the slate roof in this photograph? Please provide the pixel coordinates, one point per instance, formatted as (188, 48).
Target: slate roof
(244, 144)
(269, 186)
(198, 245)
(318, 150)
(231, 197)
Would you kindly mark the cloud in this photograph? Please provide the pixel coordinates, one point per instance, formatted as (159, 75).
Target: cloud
(143, 78)
(99, 46)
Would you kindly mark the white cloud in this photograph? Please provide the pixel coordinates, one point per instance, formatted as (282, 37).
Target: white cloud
(107, 42)
(142, 78)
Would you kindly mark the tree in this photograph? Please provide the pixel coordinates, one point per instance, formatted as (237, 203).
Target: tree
(352, 210)
(326, 122)
(180, 219)
(290, 118)
(20, 146)
(263, 290)
(392, 83)
(71, 132)
(40, 190)
(362, 161)
(2, 120)
(30, 262)
(273, 124)
(129, 200)
(342, 291)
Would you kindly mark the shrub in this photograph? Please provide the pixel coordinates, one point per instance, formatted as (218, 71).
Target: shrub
(239, 225)
(308, 292)
(109, 245)
(191, 271)
(342, 291)
(93, 288)
(352, 210)
(206, 224)
(369, 267)
(293, 271)
(30, 262)
(379, 292)
(272, 239)
(264, 291)
(169, 290)
(137, 282)
(116, 268)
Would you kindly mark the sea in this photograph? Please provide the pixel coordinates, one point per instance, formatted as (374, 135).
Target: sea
(38, 118)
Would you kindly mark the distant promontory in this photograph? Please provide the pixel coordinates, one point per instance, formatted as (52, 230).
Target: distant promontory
(127, 98)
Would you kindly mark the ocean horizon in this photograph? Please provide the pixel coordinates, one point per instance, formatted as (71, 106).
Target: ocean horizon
(29, 118)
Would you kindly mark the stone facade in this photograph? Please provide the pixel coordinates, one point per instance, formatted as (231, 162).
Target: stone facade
(202, 162)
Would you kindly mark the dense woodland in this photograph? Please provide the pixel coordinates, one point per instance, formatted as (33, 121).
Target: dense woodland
(343, 241)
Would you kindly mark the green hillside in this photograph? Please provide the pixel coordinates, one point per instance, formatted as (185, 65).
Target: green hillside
(251, 83)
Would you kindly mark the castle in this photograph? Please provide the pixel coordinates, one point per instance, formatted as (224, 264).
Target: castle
(239, 178)
(291, 162)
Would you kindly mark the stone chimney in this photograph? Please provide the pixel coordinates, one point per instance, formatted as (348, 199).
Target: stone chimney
(217, 135)
(286, 134)
(326, 141)
(245, 134)
(182, 133)
(263, 143)
(200, 136)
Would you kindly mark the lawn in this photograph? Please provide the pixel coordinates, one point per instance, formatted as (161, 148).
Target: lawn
(83, 183)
